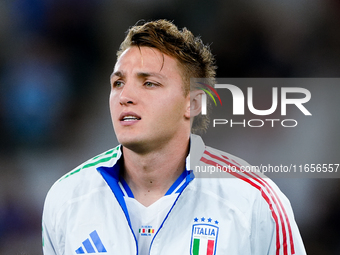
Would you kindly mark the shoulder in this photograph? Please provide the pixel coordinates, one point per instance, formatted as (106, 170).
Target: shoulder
(81, 180)
(235, 180)
(222, 157)
(107, 158)
(200, 153)
(233, 173)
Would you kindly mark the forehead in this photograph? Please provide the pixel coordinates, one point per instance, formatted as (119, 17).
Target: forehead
(147, 59)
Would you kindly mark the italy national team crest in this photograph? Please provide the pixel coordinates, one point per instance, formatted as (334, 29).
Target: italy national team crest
(204, 236)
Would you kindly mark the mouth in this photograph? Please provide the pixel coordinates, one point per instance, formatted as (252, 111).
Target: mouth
(129, 117)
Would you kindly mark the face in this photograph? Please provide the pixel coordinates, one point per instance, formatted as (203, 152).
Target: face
(147, 102)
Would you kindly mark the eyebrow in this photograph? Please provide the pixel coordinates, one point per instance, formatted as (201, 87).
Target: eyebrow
(139, 75)
(117, 73)
(146, 74)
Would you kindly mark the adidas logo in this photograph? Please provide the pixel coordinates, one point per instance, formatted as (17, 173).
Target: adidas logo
(88, 245)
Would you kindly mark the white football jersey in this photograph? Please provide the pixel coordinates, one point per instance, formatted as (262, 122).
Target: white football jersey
(90, 210)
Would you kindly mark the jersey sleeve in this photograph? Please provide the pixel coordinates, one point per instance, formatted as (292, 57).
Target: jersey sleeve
(47, 244)
(275, 231)
(48, 231)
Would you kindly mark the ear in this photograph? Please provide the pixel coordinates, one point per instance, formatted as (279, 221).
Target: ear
(194, 108)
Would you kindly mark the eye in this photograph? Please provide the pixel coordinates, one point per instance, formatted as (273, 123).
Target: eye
(150, 84)
(117, 84)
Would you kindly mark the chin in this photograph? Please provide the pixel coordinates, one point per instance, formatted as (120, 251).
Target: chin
(130, 142)
(128, 136)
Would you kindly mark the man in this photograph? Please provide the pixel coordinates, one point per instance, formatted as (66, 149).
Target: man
(141, 197)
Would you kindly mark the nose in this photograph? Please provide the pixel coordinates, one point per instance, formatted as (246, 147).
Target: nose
(127, 95)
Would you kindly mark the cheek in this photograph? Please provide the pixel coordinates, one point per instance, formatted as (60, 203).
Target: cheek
(113, 102)
(176, 107)
(114, 97)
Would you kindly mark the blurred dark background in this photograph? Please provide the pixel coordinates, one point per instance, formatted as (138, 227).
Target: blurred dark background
(55, 61)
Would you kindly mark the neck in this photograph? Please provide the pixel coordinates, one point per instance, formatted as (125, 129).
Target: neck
(150, 175)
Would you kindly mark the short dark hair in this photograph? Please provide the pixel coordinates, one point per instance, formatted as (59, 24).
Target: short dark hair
(194, 58)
